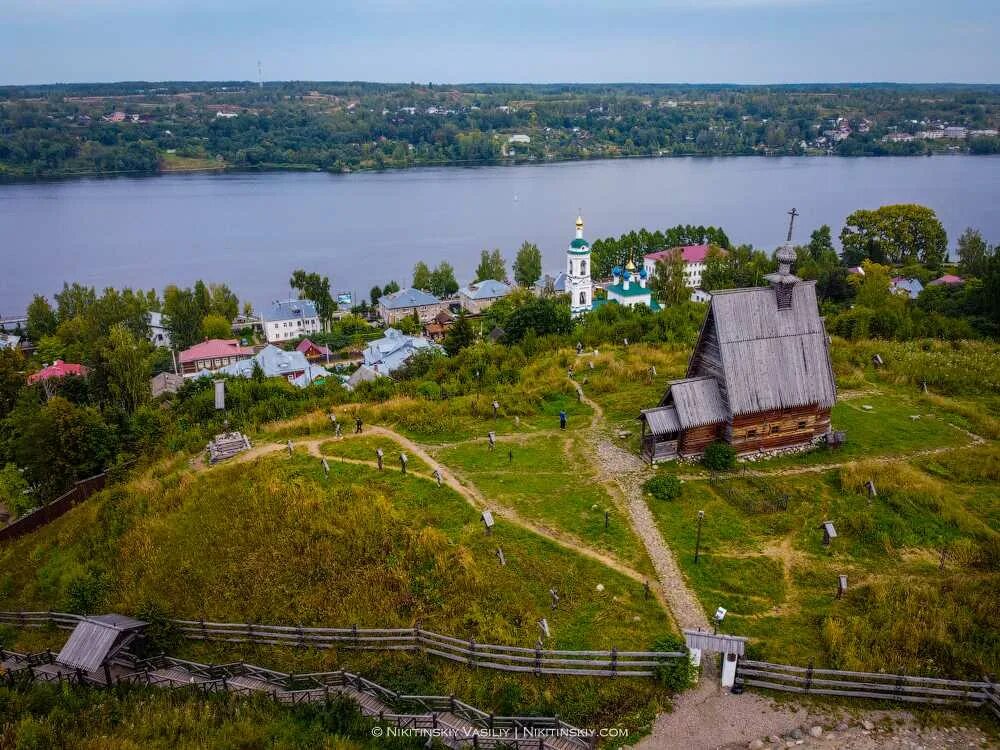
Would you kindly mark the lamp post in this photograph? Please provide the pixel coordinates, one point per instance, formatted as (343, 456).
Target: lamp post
(697, 543)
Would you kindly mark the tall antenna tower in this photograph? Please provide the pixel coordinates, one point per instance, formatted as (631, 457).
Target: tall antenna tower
(260, 75)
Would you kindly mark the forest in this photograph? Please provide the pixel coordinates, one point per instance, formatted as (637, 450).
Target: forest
(145, 128)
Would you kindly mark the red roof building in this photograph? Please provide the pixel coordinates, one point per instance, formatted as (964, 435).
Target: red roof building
(57, 369)
(695, 258)
(312, 350)
(948, 279)
(212, 354)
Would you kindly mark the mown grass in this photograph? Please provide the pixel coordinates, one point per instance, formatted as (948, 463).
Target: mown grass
(362, 448)
(550, 479)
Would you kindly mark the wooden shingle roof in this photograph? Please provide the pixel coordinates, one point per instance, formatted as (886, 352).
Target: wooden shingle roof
(97, 639)
(698, 401)
(771, 359)
(661, 420)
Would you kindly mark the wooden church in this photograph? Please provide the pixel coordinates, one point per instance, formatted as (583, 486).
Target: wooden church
(759, 378)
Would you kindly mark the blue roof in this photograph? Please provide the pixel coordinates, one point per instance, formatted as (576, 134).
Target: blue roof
(488, 289)
(392, 350)
(277, 362)
(407, 298)
(558, 283)
(290, 309)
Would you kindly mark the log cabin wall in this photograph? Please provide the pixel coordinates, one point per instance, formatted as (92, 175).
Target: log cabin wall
(696, 439)
(777, 429)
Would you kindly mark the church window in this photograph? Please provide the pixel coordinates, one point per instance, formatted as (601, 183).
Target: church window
(583, 268)
(583, 298)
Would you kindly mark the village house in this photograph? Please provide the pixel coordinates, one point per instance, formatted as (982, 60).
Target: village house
(158, 333)
(439, 326)
(277, 363)
(290, 319)
(391, 352)
(313, 351)
(165, 382)
(57, 369)
(478, 296)
(910, 287)
(393, 307)
(548, 284)
(759, 378)
(949, 279)
(212, 354)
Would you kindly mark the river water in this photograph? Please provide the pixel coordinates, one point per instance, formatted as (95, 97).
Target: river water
(252, 230)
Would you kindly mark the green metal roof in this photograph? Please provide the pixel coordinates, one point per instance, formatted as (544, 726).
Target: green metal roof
(634, 290)
(578, 243)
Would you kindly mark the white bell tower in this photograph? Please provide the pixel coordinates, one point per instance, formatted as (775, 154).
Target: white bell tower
(578, 283)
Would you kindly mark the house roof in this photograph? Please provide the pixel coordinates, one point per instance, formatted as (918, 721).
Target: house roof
(771, 359)
(57, 369)
(407, 298)
(97, 639)
(275, 362)
(558, 282)
(661, 420)
(487, 289)
(214, 348)
(391, 351)
(689, 253)
(305, 345)
(290, 309)
(697, 401)
(363, 374)
(948, 278)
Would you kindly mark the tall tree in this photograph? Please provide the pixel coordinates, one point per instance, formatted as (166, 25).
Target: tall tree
(316, 288)
(443, 282)
(821, 245)
(127, 369)
(74, 300)
(12, 379)
(421, 276)
(528, 264)
(460, 335)
(216, 327)
(899, 234)
(668, 282)
(223, 301)
(41, 318)
(973, 253)
(183, 316)
(391, 288)
(374, 294)
(491, 266)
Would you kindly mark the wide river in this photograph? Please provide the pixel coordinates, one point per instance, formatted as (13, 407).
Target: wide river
(252, 230)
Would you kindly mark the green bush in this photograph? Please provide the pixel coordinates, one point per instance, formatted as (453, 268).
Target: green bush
(677, 674)
(720, 456)
(664, 487)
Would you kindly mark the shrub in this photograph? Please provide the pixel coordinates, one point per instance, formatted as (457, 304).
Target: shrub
(676, 674)
(664, 487)
(720, 456)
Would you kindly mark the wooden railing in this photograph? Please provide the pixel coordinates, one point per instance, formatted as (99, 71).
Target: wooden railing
(613, 663)
(872, 685)
(423, 712)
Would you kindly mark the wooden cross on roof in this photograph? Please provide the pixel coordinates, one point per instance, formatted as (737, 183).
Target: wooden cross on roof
(791, 223)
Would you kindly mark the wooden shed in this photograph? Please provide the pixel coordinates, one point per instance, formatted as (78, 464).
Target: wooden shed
(97, 640)
(759, 377)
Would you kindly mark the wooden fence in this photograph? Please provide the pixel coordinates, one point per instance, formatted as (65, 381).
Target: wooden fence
(52, 510)
(469, 726)
(538, 661)
(873, 685)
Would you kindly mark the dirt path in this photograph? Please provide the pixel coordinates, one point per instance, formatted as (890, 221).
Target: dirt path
(463, 487)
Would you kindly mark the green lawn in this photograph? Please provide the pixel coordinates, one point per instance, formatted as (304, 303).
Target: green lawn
(362, 447)
(550, 481)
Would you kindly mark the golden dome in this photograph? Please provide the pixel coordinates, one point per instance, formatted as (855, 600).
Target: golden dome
(630, 266)
(579, 222)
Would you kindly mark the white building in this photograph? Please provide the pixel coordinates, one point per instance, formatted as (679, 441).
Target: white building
(578, 283)
(290, 319)
(695, 259)
(158, 333)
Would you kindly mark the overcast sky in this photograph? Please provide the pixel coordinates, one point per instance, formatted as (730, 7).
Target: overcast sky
(742, 41)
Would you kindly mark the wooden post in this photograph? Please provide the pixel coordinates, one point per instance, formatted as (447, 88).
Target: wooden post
(697, 542)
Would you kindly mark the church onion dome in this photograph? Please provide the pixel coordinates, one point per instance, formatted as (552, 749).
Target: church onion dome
(643, 273)
(579, 223)
(628, 275)
(630, 266)
(616, 271)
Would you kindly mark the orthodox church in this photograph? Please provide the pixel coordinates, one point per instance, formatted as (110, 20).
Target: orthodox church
(628, 287)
